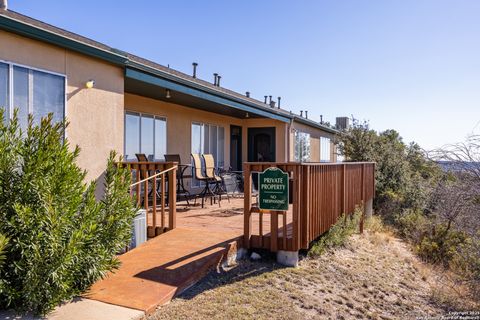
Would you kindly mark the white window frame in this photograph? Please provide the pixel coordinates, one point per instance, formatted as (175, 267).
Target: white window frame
(11, 107)
(195, 183)
(295, 145)
(322, 143)
(140, 114)
(203, 124)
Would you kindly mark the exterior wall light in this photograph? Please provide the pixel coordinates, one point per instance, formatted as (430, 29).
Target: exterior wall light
(90, 84)
(168, 95)
(247, 115)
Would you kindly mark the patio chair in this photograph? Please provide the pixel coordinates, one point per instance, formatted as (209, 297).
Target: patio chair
(219, 188)
(181, 190)
(207, 191)
(141, 157)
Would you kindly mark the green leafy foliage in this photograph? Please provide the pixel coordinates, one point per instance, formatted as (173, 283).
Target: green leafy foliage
(3, 247)
(61, 239)
(338, 234)
(436, 211)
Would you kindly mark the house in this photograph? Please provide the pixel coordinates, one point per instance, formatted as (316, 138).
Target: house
(115, 100)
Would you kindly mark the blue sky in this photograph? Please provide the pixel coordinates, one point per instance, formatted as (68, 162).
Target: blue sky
(413, 66)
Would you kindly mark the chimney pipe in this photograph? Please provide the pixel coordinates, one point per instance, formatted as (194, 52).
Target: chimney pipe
(194, 64)
(321, 118)
(270, 99)
(279, 98)
(247, 94)
(306, 114)
(215, 75)
(4, 4)
(218, 80)
(301, 113)
(265, 99)
(272, 104)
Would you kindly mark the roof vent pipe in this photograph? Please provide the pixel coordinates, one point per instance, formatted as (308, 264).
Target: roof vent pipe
(247, 94)
(301, 113)
(272, 104)
(321, 118)
(270, 100)
(306, 114)
(218, 80)
(3, 4)
(279, 98)
(265, 99)
(194, 64)
(215, 75)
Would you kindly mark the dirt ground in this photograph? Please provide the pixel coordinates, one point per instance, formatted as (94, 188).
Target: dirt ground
(375, 276)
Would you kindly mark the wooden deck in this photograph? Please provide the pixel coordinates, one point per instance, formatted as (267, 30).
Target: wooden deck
(199, 239)
(152, 274)
(228, 217)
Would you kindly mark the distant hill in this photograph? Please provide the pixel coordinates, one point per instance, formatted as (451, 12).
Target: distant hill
(458, 165)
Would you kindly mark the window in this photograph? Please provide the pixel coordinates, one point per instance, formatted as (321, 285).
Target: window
(145, 134)
(208, 138)
(325, 149)
(302, 146)
(31, 91)
(4, 92)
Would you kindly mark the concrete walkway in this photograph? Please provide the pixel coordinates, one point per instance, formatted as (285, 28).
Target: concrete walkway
(81, 309)
(153, 273)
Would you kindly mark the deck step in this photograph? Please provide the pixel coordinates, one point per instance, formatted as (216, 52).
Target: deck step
(153, 273)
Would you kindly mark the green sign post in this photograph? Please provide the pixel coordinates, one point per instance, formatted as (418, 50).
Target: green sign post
(273, 190)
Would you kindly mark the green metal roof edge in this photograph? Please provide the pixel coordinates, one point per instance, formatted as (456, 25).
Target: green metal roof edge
(34, 32)
(233, 99)
(176, 86)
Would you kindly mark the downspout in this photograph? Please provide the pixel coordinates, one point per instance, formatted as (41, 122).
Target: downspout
(289, 136)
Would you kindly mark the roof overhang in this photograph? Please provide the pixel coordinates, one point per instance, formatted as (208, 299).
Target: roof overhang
(34, 32)
(154, 86)
(144, 80)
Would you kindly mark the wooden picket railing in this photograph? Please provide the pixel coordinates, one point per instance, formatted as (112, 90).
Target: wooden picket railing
(154, 188)
(320, 194)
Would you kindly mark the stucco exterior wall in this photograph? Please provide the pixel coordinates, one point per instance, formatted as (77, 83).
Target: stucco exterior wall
(179, 124)
(95, 115)
(315, 135)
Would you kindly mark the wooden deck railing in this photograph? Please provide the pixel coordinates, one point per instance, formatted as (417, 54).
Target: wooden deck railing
(154, 188)
(320, 194)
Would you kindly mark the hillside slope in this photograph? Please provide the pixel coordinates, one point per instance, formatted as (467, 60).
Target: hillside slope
(375, 276)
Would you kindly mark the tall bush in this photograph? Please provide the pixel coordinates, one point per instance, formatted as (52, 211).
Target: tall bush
(404, 176)
(61, 239)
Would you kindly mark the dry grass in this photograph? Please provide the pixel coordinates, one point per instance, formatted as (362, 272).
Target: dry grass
(375, 276)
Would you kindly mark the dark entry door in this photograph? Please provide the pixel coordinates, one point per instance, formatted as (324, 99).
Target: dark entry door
(236, 148)
(261, 144)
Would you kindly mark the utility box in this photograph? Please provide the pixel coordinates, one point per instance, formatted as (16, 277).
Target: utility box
(139, 234)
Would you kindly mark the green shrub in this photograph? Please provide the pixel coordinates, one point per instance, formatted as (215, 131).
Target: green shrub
(466, 262)
(433, 241)
(375, 224)
(61, 239)
(338, 234)
(412, 224)
(3, 246)
(440, 245)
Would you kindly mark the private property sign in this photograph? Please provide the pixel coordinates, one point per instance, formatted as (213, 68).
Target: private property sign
(273, 190)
